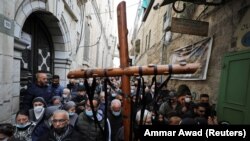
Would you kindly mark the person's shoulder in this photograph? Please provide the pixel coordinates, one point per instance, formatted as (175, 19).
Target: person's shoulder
(14, 139)
(75, 135)
(31, 85)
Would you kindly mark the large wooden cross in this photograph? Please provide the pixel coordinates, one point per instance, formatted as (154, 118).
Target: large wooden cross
(125, 71)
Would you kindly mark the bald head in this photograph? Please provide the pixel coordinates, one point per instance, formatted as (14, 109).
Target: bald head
(42, 79)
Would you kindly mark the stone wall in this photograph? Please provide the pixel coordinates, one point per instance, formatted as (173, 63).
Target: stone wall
(151, 34)
(224, 21)
(227, 24)
(7, 64)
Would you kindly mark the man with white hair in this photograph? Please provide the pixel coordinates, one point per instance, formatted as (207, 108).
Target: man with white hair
(115, 117)
(66, 96)
(60, 129)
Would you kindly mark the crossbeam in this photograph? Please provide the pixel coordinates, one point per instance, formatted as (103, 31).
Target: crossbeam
(134, 71)
(125, 71)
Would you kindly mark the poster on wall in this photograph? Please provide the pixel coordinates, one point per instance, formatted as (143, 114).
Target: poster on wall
(195, 53)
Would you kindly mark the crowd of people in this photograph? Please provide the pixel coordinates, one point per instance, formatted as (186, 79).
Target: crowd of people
(50, 111)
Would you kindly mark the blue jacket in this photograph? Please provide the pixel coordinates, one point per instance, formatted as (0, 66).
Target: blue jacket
(57, 90)
(34, 91)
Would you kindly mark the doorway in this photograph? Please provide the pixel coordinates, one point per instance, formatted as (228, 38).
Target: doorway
(234, 95)
(39, 55)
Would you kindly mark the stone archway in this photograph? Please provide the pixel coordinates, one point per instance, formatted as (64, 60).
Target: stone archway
(58, 34)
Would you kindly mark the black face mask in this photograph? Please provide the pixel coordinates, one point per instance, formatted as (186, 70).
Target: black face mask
(206, 105)
(60, 131)
(161, 122)
(55, 84)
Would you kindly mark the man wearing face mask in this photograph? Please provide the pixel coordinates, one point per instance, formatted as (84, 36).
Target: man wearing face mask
(80, 99)
(57, 89)
(115, 117)
(86, 124)
(113, 95)
(188, 104)
(66, 96)
(24, 127)
(170, 106)
(61, 130)
(72, 86)
(102, 101)
(210, 110)
(37, 115)
(70, 107)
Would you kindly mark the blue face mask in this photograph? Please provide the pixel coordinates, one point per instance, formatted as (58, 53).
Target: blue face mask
(89, 113)
(116, 113)
(71, 113)
(113, 94)
(22, 125)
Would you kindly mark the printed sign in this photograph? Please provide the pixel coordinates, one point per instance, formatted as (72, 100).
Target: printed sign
(196, 53)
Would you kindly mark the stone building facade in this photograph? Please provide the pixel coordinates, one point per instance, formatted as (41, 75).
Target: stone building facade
(228, 26)
(50, 36)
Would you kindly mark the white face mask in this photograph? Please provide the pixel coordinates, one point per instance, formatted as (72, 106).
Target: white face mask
(113, 94)
(64, 96)
(38, 109)
(187, 99)
(116, 113)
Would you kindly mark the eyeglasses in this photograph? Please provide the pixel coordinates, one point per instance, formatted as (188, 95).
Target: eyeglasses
(58, 120)
(201, 111)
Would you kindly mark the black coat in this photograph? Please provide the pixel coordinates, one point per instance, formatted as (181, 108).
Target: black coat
(116, 122)
(34, 91)
(72, 135)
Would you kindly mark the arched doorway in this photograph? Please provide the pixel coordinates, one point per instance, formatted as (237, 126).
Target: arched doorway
(42, 42)
(39, 55)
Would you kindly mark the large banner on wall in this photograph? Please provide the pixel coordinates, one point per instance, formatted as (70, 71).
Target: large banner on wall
(196, 53)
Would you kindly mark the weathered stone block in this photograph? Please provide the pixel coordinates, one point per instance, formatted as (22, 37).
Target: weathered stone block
(27, 9)
(6, 109)
(20, 18)
(15, 104)
(16, 70)
(15, 91)
(7, 44)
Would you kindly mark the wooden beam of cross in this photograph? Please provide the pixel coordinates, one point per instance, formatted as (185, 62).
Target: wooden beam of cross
(125, 71)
